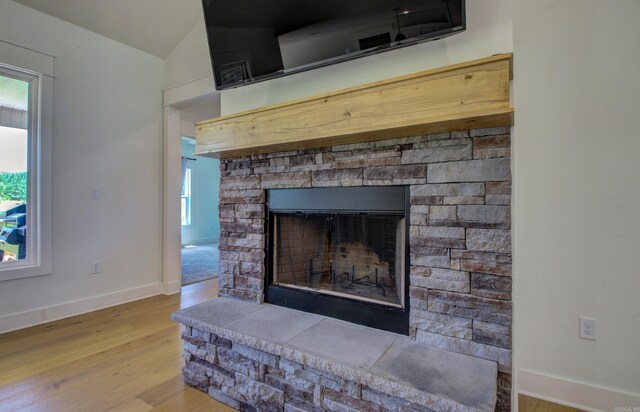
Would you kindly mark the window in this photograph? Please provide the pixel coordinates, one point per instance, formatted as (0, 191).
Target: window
(25, 172)
(14, 174)
(185, 199)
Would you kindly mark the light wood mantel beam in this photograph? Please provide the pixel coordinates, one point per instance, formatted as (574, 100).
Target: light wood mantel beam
(463, 96)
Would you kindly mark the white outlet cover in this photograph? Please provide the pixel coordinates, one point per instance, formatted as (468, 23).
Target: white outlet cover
(96, 193)
(588, 328)
(96, 267)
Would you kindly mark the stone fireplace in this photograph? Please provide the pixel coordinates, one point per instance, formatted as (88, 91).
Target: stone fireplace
(277, 234)
(434, 260)
(459, 232)
(340, 252)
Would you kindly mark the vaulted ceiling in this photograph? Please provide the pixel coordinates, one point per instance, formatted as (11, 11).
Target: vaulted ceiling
(153, 26)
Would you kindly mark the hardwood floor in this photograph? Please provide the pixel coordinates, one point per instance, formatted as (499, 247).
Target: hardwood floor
(124, 358)
(528, 404)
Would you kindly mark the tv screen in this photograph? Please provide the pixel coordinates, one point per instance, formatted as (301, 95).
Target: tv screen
(255, 40)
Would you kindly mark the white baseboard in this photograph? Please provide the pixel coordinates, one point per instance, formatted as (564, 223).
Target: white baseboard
(38, 316)
(171, 288)
(575, 394)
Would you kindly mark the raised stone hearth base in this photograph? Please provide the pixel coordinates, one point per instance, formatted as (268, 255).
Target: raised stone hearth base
(256, 357)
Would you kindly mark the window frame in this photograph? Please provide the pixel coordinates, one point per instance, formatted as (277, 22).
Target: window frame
(39, 255)
(187, 195)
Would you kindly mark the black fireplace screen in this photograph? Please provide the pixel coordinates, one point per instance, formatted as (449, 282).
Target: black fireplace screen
(357, 256)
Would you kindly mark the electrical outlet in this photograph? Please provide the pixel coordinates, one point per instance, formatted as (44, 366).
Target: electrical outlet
(96, 267)
(96, 193)
(588, 328)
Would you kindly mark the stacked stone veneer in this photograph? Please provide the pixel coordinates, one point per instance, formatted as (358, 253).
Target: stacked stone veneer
(460, 242)
(248, 379)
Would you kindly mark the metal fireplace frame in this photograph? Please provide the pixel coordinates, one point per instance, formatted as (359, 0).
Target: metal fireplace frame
(357, 200)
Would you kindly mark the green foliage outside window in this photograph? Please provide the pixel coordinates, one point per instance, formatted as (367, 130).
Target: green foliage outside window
(13, 186)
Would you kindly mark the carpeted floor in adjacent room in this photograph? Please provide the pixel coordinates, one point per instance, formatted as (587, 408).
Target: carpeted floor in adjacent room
(199, 262)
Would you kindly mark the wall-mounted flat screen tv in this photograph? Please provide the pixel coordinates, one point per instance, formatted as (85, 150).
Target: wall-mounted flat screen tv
(255, 40)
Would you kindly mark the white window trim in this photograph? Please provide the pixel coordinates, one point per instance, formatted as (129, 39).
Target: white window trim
(190, 197)
(39, 253)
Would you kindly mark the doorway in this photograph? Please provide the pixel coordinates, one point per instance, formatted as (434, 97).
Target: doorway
(199, 221)
(184, 105)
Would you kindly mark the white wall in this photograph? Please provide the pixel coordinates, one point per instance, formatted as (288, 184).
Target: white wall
(205, 198)
(577, 197)
(188, 74)
(190, 59)
(489, 31)
(107, 133)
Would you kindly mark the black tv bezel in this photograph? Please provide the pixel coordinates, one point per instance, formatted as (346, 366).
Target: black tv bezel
(339, 59)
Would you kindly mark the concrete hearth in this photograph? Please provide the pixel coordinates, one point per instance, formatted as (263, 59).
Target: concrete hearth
(258, 356)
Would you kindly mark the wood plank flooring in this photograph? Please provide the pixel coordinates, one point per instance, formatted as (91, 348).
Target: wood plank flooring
(528, 404)
(124, 358)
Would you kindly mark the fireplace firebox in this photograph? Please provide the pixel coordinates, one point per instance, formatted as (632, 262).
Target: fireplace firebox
(341, 252)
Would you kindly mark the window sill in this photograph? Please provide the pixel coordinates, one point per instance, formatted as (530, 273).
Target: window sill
(22, 270)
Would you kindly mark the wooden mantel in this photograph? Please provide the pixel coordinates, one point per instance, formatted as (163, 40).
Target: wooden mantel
(463, 96)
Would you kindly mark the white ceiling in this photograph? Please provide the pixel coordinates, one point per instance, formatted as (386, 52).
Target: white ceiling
(153, 26)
